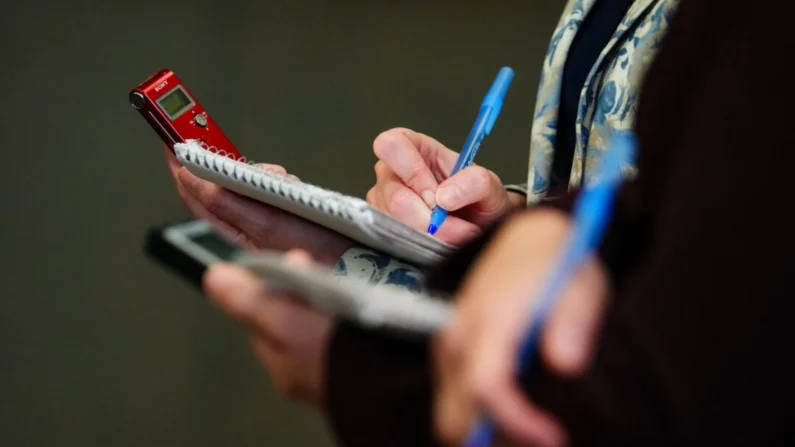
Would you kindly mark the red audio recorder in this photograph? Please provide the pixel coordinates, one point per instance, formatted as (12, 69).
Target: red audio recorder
(175, 114)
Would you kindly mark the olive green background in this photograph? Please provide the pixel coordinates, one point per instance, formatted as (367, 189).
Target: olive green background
(100, 347)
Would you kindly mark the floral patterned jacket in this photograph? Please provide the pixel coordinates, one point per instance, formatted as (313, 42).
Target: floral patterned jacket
(607, 104)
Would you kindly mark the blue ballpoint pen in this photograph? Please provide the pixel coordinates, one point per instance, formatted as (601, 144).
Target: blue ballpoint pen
(489, 111)
(591, 214)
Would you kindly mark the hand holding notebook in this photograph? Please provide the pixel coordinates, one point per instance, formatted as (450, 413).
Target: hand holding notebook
(251, 224)
(204, 150)
(349, 216)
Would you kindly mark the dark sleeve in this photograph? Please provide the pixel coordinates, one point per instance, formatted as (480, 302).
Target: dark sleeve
(378, 389)
(695, 343)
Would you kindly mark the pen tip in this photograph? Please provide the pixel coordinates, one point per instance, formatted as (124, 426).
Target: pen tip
(432, 229)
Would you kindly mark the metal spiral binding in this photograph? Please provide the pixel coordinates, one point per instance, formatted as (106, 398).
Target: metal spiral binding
(266, 181)
(224, 153)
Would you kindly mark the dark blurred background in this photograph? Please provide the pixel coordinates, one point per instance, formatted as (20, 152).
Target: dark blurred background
(98, 346)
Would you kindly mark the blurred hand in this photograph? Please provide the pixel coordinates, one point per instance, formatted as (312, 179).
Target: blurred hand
(476, 354)
(252, 224)
(412, 177)
(288, 337)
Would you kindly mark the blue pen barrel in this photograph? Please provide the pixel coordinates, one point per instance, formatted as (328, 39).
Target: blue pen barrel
(495, 95)
(489, 111)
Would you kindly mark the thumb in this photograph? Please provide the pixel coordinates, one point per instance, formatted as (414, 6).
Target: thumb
(476, 187)
(234, 290)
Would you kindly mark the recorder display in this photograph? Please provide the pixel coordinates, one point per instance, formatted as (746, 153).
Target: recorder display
(175, 102)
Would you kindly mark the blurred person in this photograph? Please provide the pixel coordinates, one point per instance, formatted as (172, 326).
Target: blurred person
(697, 264)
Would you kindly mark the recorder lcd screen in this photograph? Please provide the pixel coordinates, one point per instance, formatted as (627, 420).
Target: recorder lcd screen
(175, 103)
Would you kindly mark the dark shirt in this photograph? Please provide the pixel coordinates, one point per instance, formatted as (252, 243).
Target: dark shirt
(592, 37)
(700, 252)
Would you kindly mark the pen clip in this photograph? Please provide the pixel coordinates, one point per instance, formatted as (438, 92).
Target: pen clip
(492, 102)
(491, 112)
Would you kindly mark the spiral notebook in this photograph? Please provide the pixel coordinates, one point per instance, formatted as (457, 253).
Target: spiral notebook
(347, 215)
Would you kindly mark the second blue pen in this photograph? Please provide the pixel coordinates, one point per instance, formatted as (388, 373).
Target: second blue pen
(489, 111)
